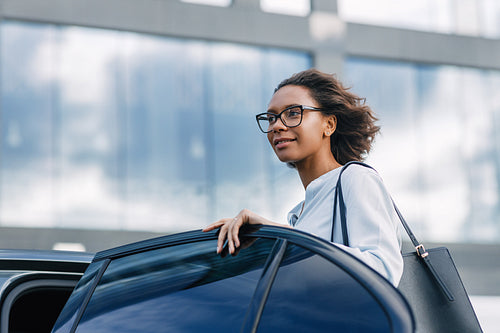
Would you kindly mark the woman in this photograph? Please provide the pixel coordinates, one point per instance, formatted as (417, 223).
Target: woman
(316, 125)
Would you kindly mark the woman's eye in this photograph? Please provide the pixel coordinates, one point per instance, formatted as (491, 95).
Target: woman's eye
(293, 113)
(267, 118)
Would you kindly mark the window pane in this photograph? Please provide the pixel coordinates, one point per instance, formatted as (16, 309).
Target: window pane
(421, 15)
(163, 133)
(438, 148)
(327, 301)
(71, 309)
(490, 18)
(120, 130)
(463, 17)
(86, 127)
(182, 288)
(27, 125)
(221, 3)
(296, 7)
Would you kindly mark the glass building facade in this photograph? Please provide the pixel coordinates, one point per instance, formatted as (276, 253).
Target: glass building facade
(462, 17)
(118, 130)
(439, 147)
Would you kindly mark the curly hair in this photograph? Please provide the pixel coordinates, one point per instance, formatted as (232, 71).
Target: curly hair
(356, 129)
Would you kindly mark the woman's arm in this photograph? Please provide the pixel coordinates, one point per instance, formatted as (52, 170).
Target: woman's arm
(230, 227)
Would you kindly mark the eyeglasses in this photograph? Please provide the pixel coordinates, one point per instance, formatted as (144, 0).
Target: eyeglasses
(290, 117)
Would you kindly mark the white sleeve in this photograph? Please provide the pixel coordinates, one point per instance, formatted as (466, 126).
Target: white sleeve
(372, 222)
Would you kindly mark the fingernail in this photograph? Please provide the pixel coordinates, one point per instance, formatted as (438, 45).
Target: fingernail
(218, 249)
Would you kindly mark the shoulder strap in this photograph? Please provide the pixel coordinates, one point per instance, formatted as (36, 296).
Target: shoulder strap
(420, 249)
(340, 199)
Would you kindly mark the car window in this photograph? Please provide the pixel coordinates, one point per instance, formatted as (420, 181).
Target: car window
(310, 294)
(70, 311)
(179, 288)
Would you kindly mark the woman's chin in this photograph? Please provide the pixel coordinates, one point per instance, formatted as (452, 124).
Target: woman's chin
(286, 159)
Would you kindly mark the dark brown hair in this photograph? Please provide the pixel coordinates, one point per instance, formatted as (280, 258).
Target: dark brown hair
(356, 127)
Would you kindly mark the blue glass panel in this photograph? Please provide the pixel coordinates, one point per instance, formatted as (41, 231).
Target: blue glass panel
(329, 300)
(442, 168)
(419, 15)
(122, 130)
(479, 146)
(438, 149)
(85, 63)
(185, 288)
(74, 304)
(163, 144)
(27, 125)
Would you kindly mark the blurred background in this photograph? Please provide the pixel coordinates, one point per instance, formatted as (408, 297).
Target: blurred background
(124, 119)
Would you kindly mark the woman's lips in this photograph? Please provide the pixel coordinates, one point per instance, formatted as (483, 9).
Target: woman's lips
(282, 142)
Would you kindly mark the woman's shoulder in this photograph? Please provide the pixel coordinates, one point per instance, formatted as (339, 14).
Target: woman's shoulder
(361, 176)
(354, 175)
(358, 170)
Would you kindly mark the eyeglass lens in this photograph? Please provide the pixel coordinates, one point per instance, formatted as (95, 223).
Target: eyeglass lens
(290, 117)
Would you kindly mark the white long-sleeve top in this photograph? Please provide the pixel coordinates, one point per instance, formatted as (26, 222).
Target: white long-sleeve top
(372, 222)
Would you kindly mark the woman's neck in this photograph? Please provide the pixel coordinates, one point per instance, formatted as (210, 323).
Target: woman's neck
(310, 171)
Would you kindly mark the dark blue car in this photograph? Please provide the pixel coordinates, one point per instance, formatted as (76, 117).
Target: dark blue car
(281, 280)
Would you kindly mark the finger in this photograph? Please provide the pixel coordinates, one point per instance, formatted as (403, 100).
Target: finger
(213, 226)
(222, 238)
(231, 239)
(235, 230)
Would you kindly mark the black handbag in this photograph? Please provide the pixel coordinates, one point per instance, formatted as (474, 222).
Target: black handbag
(430, 282)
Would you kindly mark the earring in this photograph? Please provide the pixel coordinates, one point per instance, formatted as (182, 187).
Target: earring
(327, 133)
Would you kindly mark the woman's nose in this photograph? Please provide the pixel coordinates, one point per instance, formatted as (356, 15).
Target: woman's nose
(278, 126)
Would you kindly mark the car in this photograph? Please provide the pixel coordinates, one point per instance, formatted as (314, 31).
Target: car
(35, 285)
(280, 279)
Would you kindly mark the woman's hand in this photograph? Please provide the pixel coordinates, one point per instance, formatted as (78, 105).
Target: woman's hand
(230, 227)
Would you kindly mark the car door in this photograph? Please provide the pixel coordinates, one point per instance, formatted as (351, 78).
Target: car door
(281, 280)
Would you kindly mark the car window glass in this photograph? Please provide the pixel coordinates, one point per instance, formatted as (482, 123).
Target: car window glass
(180, 288)
(312, 294)
(70, 311)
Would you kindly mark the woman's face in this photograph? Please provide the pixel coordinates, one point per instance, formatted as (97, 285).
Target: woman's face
(307, 142)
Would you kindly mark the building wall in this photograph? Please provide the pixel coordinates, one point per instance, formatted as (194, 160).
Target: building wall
(140, 113)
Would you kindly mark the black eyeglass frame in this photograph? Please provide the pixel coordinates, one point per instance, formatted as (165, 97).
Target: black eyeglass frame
(278, 115)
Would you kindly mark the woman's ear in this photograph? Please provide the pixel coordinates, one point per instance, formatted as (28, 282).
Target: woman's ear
(331, 125)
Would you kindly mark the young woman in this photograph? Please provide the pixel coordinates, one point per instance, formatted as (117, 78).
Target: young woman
(316, 125)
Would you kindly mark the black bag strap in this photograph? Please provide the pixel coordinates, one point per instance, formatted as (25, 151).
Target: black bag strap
(420, 249)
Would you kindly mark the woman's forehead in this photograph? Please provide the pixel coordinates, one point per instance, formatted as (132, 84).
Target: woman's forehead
(291, 95)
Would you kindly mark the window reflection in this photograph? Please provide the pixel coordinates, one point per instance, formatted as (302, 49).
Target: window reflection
(475, 17)
(110, 129)
(221, 3)
(332, 300)
(438, 149)
(296, 7)
(27, 144)
(180, 288)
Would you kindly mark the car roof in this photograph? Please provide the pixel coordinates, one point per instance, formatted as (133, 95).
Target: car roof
(46, 255)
